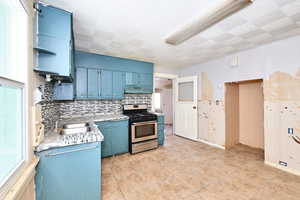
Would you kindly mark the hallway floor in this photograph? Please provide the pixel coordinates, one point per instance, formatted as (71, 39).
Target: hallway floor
(187, 170)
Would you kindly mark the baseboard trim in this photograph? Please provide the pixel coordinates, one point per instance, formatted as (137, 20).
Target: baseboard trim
(212, 144)
(286, 169)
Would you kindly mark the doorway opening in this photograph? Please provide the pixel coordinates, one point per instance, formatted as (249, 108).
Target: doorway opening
(163, 101)
(244, 112)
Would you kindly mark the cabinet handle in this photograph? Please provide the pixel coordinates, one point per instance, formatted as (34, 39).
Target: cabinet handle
(71, 151)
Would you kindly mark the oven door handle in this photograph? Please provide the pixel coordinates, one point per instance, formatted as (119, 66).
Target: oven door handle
(144, 123)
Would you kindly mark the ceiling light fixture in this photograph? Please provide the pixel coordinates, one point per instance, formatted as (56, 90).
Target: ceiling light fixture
(213, 16)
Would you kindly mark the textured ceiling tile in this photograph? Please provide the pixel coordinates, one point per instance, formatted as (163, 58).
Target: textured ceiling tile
(279, 24)
(233, 41)
(283, 2)
(260, 38)
(212, 32)
(296, 17)
(137, 28)
(243, 29)
(271, 17)
(253, 33)
(292, 8)
(222, 37)
(227, 25)
(283, 30)
(258, 9)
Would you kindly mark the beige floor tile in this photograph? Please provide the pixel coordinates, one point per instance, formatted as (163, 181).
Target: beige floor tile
(188, 170)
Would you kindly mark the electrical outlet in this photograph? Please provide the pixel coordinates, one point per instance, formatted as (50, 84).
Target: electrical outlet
(283, 163)
(290, 131)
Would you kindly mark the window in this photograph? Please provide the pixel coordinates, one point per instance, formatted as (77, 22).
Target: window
(157, 101)
(13, 82)
(11, 128)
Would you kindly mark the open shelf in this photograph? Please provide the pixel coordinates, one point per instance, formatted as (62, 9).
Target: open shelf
(46, 51)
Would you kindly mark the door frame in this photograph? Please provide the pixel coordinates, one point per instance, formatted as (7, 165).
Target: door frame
(195, 80)
(232, 131)
(173, 77)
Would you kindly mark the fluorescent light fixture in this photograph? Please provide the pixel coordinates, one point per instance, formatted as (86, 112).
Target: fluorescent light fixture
(213, 16)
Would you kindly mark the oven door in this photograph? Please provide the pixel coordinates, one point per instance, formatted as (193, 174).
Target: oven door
(142, 131)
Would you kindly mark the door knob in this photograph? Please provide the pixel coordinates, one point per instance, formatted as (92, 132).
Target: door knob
(194, 107)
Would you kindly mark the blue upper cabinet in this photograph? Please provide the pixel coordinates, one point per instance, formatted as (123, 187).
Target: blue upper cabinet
(146, 82)
(107, 77)
(118, 85)
(93, 84)
(54, 42)
(64, 91)
(139, 83)
(81, 83)
(54, 22)
(106, 84)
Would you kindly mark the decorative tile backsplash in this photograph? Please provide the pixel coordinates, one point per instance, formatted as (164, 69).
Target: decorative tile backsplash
(50, 108)
(75, 108)
(52, 111)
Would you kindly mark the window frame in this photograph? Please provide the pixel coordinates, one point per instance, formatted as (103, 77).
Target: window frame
(19, 79)
(11, 178)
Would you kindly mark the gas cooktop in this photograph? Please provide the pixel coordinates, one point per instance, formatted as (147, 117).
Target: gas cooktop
(138, 113)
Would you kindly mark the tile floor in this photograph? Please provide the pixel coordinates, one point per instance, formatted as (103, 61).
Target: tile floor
(187, 170)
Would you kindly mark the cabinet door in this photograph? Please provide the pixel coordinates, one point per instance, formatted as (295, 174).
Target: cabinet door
(118, 85)
(93, 90)
(64, 91)
(81, 83)
(106, 84)
(54, 22)
(106, 147)
(132, 79)
(70, 173)
(120, 137)
(146, 83)
(161, 134)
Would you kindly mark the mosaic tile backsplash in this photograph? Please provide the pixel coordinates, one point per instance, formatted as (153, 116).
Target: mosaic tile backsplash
(55, 110)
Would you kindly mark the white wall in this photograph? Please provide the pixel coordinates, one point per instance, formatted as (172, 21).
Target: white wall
(255, 63)
(165, 69)
(166, 99)
(280, 112)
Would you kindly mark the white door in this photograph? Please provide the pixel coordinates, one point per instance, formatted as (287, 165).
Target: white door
(186, 116)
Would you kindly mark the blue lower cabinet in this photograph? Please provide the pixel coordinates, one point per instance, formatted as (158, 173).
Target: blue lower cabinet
(72, 172)
(161, 119)
(106, 148)
(115, 137)
(161, 130)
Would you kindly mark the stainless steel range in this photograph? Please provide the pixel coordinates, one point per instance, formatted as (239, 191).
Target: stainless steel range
(142, 128)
